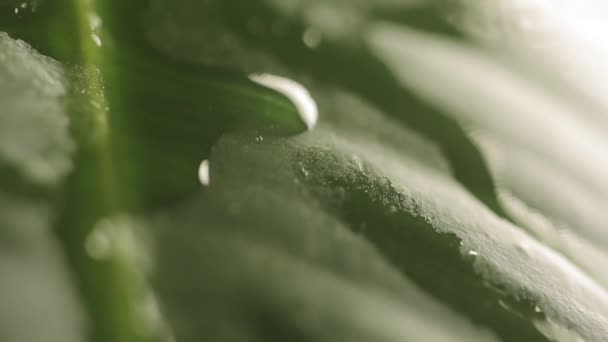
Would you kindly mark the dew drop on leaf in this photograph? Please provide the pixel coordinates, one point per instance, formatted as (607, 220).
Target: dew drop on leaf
(295, 92)
(96, 39)
(203, 173)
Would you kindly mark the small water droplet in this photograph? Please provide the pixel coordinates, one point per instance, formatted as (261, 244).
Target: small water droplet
(304, 171)
(259, 138)
(16, 10)
(358, 162)
(96, 39)
(294, 91)
(203, 173)
(504, 305)
(472, 253)
(312, 37)
(385, 182)
(537, 309)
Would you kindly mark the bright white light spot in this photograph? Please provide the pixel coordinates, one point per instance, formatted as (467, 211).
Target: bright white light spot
(96, 39)
(203, 173)
(299, 96)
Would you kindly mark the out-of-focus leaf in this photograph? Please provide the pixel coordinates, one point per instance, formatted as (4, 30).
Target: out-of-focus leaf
(39, 302)
(546, 159)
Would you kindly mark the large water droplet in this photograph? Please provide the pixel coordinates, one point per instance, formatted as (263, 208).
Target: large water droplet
(299, 96)
(203, 173)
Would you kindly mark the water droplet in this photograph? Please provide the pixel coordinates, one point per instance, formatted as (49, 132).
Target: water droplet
(96, 39)
(16, 10)
(299, 96)
(312, 37)
(304, 171)
(537, 309)
(472, 253)
(259, 138)
(506, 306)
(203, 173)
(385, 182)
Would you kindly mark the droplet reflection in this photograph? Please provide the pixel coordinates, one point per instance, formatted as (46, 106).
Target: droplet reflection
(304, 103)
(203, 173)
(96, 39)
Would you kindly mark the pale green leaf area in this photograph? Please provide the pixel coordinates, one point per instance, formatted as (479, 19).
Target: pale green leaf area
(39, 299)
(34, 138)
(379, 195)
(290, 170)
(523, 137)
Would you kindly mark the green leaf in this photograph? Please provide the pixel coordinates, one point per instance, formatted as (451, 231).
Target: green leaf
(354, 208)
(367, 171)
(526, 165)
